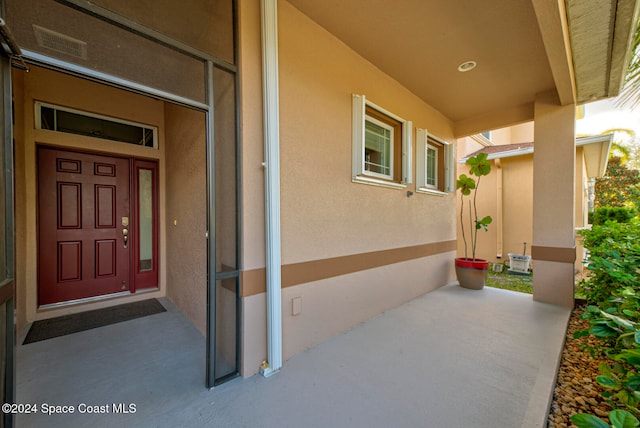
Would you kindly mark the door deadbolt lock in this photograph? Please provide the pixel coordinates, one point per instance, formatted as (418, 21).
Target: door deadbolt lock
(125, 221)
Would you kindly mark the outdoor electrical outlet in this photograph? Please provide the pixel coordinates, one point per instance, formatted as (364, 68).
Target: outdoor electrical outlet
(296, 306)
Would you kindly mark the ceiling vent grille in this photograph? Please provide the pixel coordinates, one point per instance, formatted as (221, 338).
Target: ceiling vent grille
(60, 42)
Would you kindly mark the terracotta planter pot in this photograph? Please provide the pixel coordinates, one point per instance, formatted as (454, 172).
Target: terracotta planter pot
(471, 273)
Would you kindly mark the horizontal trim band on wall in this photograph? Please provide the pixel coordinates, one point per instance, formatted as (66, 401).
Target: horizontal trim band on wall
(554, 254)
(254, 281)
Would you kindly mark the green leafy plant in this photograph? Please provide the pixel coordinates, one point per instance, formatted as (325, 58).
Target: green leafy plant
(618, 418)
(618, 329)
(612, 288)
(613, 262)
(479, 166)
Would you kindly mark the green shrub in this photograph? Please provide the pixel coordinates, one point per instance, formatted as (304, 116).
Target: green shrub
(613, 289)
(613, 262)
(618, 329)
(617, 214)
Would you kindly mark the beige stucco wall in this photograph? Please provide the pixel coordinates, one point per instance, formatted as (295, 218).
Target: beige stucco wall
(60, 89)
(518, 204)
(186, 212)
(254, 319)
(323, 214)
(522, 133)
(252, 154)
(20, 200)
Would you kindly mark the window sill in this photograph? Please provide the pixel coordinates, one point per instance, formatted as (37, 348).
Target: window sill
(377, 182)
(429, 191)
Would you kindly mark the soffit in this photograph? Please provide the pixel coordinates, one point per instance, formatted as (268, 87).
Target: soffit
(422, 43)
(601, 34)
(522, 48)
(596, 152)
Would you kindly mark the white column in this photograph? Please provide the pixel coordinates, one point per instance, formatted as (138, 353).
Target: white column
(271, 106)
(553, 251)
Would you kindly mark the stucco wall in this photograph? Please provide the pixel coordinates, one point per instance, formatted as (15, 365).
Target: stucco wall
(254, 320)
(20, 199)
(325, 217)
(64, 90)
(186, 212)
(324, 214)
(518, 204)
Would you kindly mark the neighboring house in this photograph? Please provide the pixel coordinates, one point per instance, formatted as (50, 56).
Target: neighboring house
(280, 170)
(506, 194)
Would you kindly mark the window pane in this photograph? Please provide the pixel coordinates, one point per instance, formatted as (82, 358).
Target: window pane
(145, 178)
(80, 124)
(431, 166)
(377, 148)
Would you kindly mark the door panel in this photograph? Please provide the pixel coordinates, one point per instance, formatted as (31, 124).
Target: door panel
(82, 199)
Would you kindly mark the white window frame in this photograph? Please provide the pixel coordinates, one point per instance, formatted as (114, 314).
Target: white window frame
(426, 166)
(422, 138)
(359, 174)
(391, 154)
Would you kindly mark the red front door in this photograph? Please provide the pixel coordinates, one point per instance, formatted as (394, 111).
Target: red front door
(83, 225)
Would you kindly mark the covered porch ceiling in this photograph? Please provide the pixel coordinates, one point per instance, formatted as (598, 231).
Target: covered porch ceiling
(578, 49)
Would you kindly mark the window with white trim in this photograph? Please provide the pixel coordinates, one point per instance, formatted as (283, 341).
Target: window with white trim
(431, 167)
(381, 145)
(435, 164)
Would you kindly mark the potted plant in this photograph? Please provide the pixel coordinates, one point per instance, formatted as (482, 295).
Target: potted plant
(471, 271)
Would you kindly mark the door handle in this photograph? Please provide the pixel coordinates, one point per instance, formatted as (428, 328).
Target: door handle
(125, 236)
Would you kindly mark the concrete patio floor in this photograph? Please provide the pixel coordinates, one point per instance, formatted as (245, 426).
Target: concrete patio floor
(450, 358)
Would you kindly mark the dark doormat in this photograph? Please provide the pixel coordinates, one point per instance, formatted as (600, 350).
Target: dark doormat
(68, 324)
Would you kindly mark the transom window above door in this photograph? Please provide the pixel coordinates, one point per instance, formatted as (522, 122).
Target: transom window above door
(62, 119)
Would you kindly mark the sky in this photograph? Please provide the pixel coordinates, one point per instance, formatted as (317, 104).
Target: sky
(603, 115)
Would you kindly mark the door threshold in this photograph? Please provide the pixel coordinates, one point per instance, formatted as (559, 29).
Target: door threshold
(85, 300)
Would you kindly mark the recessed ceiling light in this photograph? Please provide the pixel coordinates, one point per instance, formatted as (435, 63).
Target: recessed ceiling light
(467, 66)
